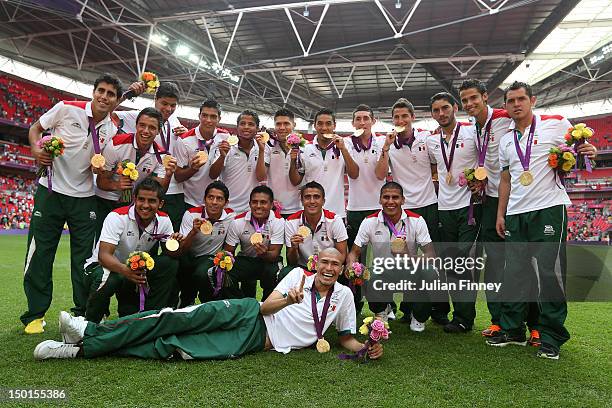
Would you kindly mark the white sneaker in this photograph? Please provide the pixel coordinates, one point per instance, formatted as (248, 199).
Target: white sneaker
(390, 314)
(55, 349)
(72, 328)
(415, 325)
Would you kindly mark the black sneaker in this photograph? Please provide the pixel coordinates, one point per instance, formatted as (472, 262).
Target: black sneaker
(502, 339)
(441, 321)
(548, 351)
(456, 327)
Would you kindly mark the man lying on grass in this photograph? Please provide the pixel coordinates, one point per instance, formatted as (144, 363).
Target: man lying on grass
(226, 328)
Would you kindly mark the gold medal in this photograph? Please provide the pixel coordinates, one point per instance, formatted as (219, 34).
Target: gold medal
(398, 246)
(328, 135)
(526, 178)
(172, 245)
(449, 178)
(323, 346)
(358, 132)
(256, 238)
(265, 136)
(206, 228)
(98, 161)
(202, 156)
(399, 129)
(232, 140)
(304, 231)
(166, 160)
(480, 173)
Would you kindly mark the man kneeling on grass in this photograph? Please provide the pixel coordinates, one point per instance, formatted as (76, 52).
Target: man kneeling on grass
(225, 328)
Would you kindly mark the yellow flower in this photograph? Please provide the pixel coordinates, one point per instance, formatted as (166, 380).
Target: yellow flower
(577, 133)
(227, 260)
(126, 172)
(580, 126)
(229, 267)
(134, 175)
(222, 265)
(150, 264)
(568, 156)
(368, 320)
(587, 132)
(131, 166)
(567, 166)
(364, 330)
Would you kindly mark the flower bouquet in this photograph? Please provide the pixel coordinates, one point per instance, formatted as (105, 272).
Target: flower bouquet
(55, 147)
(357, 275)
(311, 265)
(224, 262)
(376, 330)
(128, 169)
(468, 178)
(151, 82)
(295, 140)
(141, 261)
(576, 136)
(562, 159)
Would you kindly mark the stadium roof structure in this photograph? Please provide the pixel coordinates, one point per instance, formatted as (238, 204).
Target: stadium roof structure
(310, 54)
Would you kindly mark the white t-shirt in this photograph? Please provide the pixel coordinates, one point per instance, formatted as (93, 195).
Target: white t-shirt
(120, 229)
(546, 190)
(328, 232)
(241, 229)
(187, 146)
(293, 326)
(207, 244)
(500, 122)
(453, 196)
(166, 136)
(411, 168)
(124, 147)
(278, 179)
(328, 172)
(72, 174)
(239, 173)
(362, 190)
(373, 230)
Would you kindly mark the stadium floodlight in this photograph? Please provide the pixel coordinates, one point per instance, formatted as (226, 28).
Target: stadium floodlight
(194, 58)
(159, 39)
(398, 4)
(182, 50)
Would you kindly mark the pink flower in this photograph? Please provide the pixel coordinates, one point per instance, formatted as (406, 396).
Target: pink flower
(462, 180)
(375, 335)
(44, 140)
(293, 139)
(377, 325)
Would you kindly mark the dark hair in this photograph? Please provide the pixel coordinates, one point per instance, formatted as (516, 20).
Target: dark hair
(442, 96)
(211, 103)
(325, 111)
(149, 184)
(312, 184)
(518, 85)
(392, 185)
(363, 107)
(284, 112)
(167, 90)
(111, 80)
(403, 103)
(473, 83)
(152, 113)
(217, 185)
(248, 112)
(262, 189)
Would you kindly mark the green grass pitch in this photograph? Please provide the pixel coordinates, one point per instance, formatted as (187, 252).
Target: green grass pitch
(430, 369)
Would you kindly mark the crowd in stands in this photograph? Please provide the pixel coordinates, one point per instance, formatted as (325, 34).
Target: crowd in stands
(16, 201)
(590, 220)
(15, 153)
(23, 102)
